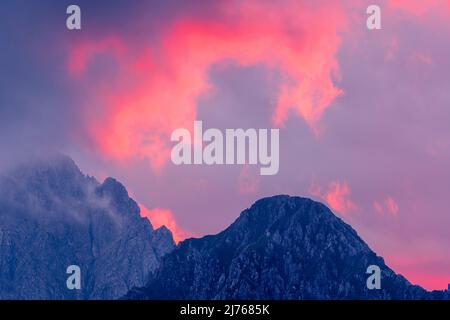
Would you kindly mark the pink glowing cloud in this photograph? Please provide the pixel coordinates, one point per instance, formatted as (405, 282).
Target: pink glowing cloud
(79, 58)
(157, 91)
(391, 205)
(388, 205)
(164, 217)
(337, 196)
(428, 271)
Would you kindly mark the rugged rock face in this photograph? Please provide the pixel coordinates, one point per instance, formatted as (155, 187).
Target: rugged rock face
(281, 248)
(53, 216)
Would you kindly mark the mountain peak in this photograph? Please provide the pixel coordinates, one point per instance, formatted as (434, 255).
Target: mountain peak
(119, 198)
(114, 187)
(276, 207)
(55, 163)
(281, 247)
(278, 214)
(54, 216)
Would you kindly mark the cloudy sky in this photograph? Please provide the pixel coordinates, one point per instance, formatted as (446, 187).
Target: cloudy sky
(363, 114)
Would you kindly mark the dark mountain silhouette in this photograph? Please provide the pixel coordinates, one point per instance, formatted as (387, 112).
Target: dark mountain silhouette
(53, 216)
(281, 248)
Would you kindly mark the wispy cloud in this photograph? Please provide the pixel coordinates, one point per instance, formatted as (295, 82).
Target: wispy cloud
(164, 217)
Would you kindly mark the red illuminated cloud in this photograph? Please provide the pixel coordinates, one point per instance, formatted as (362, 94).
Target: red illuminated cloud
(155, 91)
(388, 205)
(337, 196)
(164, 217)
(428, 271)
(82, 52)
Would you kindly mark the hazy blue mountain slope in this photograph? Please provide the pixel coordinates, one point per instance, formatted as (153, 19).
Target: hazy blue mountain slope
(53, 216)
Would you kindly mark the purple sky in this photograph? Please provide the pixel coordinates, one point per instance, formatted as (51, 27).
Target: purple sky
(365, 128)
